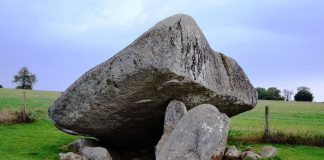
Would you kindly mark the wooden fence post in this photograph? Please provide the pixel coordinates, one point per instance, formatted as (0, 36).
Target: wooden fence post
(266, 128)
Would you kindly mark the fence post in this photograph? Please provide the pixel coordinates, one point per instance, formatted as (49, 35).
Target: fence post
(266, 128)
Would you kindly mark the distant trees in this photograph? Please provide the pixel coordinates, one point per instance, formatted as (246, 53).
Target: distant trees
(304, 94)
(271, 93)
(262, 93)
(287, 94)
(1, 86)
(24, 79)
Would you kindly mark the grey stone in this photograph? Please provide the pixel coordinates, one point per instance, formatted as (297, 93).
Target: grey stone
(249, 149)
(249, 155)
(71, 156)
(200, 135)
(122, 101)
(268, 151)
(78, 144)
(231, 153)
(95, 153)
(89, 148)
(174, 112)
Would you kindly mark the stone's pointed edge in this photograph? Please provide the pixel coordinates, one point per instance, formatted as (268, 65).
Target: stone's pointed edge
(175, 18)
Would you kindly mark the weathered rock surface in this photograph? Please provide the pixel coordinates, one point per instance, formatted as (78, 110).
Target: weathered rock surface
(231, 153)
(95, 153)
(78, 144)
(71, 156)
(268, 151)
(249, 154)
(87, 148)
(122, 100)
(174, 112)
(200, 135)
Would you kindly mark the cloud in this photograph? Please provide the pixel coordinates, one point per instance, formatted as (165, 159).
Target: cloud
(106, 14)
(276, 42)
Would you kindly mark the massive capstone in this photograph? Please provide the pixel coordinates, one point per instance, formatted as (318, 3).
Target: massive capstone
(122, 101)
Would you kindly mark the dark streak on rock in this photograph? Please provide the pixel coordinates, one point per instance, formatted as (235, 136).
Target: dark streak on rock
(225, 63)
(113, 83)
(179, 27)
(172, 41)
(187, 52)
(135, 63)
(198, 62)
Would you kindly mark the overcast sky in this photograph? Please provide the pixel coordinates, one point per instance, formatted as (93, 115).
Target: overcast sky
(277, 42)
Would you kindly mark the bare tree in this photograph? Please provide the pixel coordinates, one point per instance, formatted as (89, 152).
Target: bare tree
(287, 94)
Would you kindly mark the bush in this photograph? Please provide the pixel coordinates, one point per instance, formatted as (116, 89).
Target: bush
(1, 86)
(304, 95)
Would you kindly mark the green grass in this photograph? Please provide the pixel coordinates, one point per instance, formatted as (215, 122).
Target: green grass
(38, 140)
(290, 118)
(284, 116)
(41, 140)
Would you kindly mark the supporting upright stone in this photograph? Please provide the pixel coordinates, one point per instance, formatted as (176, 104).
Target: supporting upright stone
(174, 112)
(200, 135)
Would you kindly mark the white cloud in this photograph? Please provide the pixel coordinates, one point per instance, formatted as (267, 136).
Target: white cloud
(106, 14)
(80, 17)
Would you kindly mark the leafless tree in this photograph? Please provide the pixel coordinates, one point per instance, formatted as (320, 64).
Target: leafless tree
(287, 94)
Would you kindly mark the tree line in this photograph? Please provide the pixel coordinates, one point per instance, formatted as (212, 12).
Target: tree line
(273, 93)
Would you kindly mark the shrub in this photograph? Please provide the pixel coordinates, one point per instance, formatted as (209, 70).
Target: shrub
(304, 95)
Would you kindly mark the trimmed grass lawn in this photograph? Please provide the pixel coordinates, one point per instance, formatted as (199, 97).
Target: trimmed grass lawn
(41, 140)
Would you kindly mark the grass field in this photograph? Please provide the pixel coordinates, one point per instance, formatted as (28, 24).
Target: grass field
(301, 117)
(41, 140)
(38, 140)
